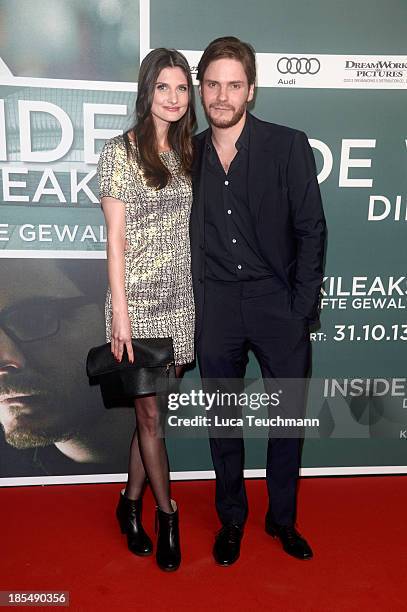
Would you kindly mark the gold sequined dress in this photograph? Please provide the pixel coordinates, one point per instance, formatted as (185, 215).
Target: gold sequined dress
(158, 281)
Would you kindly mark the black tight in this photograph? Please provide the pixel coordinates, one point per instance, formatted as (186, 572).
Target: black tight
(148, 454)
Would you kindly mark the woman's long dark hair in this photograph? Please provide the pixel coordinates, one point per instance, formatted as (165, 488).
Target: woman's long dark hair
(180, 132)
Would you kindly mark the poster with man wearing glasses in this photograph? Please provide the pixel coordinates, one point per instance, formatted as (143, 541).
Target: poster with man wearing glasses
(52, 421)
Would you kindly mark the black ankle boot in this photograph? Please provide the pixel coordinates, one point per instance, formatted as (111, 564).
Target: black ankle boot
(168, 552)
(128, 514)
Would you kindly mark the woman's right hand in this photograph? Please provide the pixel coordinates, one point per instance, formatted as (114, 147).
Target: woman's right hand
(121, 337)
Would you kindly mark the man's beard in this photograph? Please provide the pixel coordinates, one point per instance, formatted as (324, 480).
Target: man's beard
(30, 439)
(227, 123)
(51, 420)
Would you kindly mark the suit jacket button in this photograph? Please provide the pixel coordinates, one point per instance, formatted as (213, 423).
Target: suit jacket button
(200, 280)
(201, 247)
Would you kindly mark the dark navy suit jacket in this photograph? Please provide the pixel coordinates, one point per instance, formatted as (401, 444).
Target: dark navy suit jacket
(285, 203)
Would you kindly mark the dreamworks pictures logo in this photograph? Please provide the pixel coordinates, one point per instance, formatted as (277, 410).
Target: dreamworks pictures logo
(377, 70)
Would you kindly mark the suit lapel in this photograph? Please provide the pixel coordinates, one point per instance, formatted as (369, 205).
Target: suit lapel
(199, 195)
(258, 164)
(260, 180)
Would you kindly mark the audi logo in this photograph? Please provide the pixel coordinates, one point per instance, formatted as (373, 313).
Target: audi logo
(298, 65)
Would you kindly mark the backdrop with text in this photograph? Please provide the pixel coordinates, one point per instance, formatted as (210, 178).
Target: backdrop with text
(68, 80)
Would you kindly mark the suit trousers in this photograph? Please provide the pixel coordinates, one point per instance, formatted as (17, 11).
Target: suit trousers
(253, 315)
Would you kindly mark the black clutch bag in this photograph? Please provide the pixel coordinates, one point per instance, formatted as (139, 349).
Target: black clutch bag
(121, 381)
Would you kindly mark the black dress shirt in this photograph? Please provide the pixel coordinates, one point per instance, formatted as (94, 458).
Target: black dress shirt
(231, 248)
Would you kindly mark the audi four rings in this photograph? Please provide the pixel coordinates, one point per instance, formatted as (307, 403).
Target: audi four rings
(298, 65)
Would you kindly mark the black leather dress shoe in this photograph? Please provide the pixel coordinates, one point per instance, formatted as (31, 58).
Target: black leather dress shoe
(226, 549)
(292, 542)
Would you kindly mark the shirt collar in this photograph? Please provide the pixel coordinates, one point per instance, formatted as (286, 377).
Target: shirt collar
(241, 142)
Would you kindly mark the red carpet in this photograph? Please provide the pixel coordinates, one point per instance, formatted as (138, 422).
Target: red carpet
(67, 538)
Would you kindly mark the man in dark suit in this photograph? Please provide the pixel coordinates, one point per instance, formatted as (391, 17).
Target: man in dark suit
(257, 236)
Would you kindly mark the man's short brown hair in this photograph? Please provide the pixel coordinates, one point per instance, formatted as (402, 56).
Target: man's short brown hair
(231, 47)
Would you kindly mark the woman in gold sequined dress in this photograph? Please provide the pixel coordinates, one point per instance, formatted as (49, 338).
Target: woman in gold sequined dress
(146, 195)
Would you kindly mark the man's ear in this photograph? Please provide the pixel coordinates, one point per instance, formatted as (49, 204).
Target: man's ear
(251, 93)
(200, 90)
